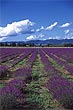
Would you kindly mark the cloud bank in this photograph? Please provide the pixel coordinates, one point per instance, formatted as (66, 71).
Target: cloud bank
(15, 28)
(51, 26)
(42, 28)
(47, 28)
(65, 25)
(33, 37)
(27, 27)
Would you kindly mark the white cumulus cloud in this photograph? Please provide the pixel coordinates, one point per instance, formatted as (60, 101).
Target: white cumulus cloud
(15, 28)
(2, 38)
(38, 30)
(65, 25)
(42, 27)
(51, 26)
(55, 37)
(31, 37)
(66, 31)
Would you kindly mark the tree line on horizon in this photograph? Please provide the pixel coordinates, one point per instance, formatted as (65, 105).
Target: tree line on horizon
(22, 44)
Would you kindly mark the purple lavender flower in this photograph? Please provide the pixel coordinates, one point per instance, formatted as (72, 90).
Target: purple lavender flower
(4, 72)
(62, 90)
(12, 94)
(69, 68)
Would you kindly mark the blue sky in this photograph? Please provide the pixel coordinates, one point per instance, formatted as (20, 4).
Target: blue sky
(36, 19)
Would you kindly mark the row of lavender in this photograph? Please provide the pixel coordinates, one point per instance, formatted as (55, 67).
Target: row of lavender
(63, 56)
(60, 87)
(7, 54)
(16, 60)
(65, 53)
(27, 69)
(12, 95)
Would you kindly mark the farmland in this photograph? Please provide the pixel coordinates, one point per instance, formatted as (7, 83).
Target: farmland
(36, 78)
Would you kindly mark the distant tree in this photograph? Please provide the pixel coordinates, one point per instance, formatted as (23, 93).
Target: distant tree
(40, 45)
(13, 43)
(5, 44)
(31, 44)
(21, 44)
(68, 45)
(71, 45)
(1, 44)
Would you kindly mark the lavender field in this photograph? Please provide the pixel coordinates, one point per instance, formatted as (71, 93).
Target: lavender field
(36, 78)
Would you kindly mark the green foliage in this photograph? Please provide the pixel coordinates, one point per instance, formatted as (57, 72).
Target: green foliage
(1, 85)
(37, 92)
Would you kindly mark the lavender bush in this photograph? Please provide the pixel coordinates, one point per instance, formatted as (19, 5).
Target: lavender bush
(12, 96)
(69, 68)
(62, 90)
(7, 101)
(4, 72)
